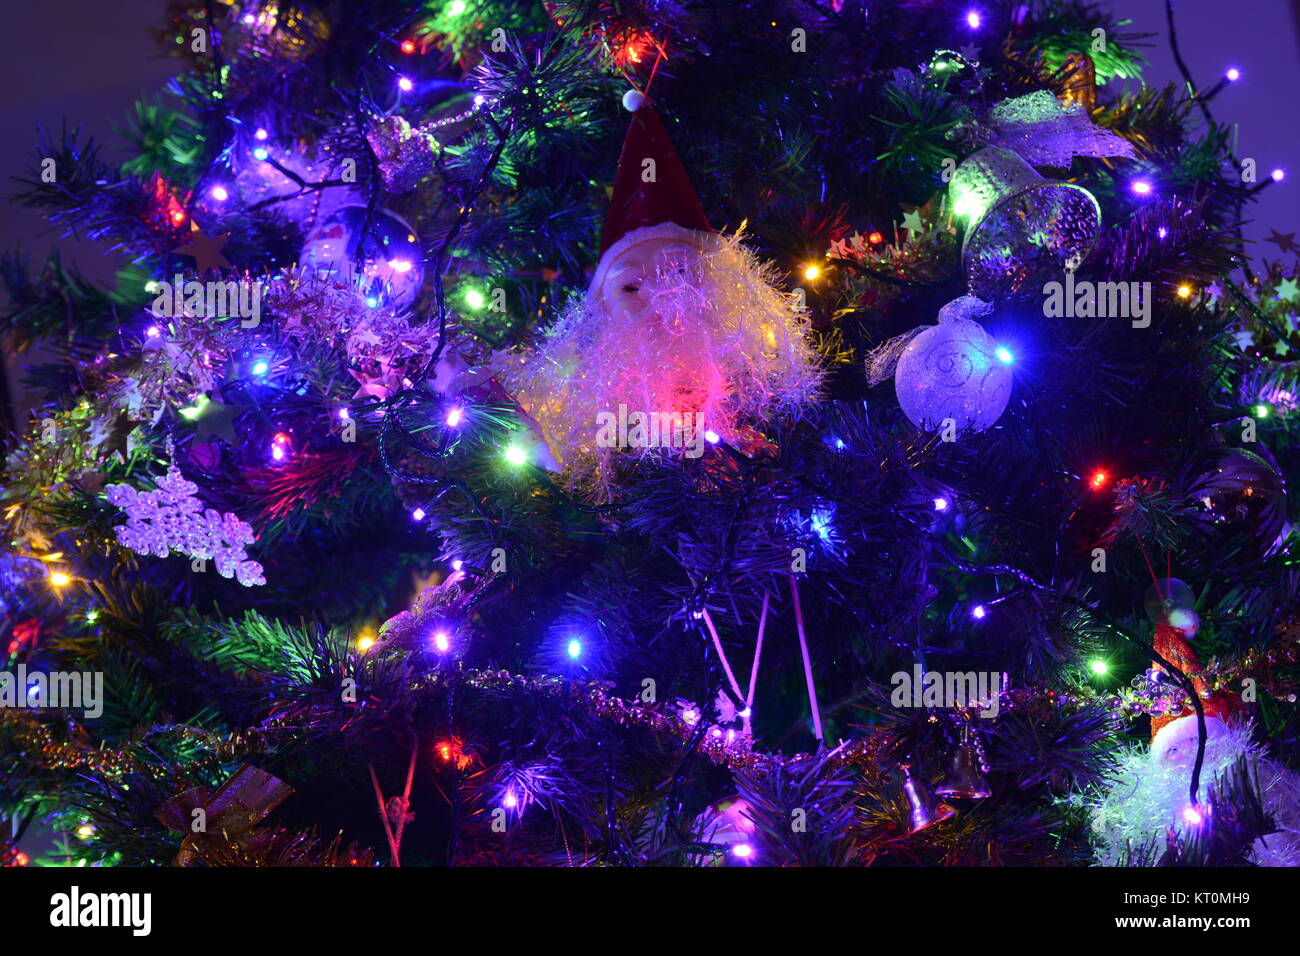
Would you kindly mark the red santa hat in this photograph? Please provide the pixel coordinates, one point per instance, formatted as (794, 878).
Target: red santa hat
(664, 207)
(1171, 644)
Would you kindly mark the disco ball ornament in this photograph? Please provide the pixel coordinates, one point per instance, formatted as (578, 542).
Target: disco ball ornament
(1170, 601)
(952, 372)
(386, 262)
(1243, 492)
(261, 176)
(1021, 227)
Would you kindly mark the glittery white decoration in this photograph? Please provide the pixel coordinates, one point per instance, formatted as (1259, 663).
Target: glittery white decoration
(951, 371)
(173, 519)
(1048, 132)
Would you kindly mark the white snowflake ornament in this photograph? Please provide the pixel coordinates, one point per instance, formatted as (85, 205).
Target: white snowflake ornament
(173, 519)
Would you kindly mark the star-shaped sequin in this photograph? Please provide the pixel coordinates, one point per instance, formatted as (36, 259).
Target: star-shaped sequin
(1285, 242)
(215, 419)
(205, 251)
(119, 435)
(912, 222)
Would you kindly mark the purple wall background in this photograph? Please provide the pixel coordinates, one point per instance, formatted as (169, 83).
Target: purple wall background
(1262, 39)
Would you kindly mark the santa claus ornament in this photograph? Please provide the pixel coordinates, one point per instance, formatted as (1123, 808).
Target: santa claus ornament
(1150, 795)
(682, 331)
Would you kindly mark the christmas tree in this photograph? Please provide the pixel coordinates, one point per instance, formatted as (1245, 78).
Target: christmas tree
(653, 433)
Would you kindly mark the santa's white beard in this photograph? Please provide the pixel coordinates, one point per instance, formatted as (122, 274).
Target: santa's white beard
(1150, 793)
(717, 345)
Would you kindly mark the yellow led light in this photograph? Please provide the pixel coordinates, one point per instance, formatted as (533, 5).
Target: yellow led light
(60, 579)
(812, 272)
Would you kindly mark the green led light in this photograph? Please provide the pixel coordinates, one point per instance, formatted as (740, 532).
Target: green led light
(1261, 411)
(1100, 668)
(193, 412)
(516, 455)
(474, 298)
(966, 202)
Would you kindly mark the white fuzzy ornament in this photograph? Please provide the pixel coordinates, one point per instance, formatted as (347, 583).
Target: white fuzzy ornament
(1150, 792)
(676, 323)
(952, 372)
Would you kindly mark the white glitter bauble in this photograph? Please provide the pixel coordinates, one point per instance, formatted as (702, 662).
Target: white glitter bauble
(952, 371)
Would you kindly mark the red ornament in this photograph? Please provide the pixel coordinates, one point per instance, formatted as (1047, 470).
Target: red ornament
(167, 212)
(24, 636)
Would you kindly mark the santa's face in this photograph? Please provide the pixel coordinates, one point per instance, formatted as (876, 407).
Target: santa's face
(672, 326)
(1176, 743)
(629, 287)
